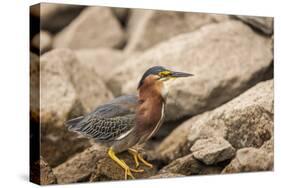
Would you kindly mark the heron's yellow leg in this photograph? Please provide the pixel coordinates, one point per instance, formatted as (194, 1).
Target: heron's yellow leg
(127, 169)
(137, 157)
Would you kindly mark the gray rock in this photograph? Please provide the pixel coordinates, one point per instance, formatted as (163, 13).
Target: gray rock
(249, 160)
(148, 27)
(109, 58)
(166, 175)
(94, 27)
(42, 41)
(219, 76)
(246, 121)
(264, 24)
(212, 150)
(188, 165)
(54, 17)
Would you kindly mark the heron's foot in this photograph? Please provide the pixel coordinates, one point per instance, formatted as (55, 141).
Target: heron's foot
(128, 171)
(137, 157)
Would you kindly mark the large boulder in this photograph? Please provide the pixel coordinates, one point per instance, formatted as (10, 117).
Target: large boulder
(263, 24)
(226, 58)
(68, 89)
(149, 27)
(246, 121)
(212, 150)
(94, 27)
(54, 17)
(93, 58)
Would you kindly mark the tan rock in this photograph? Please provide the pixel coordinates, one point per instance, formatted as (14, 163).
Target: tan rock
(102, 60)
(34, 87)
(246, 121)
(249, 160)
(263, 24)
(94, 27)
(188, 165)
(42, 41)
(212, 150)
(54, 17)
(149, 27)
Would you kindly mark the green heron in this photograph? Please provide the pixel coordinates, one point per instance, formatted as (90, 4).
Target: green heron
(129, 120)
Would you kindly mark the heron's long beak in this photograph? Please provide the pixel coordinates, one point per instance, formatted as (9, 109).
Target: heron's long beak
(180, 74)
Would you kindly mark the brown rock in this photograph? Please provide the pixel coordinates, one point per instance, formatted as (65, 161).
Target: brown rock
(166, 175)
(229, 75)
(188, 165)
(54, 17)
(249, 160)
(148, 27)
(68, 89)
(34, 87)
(93, 58)
(94, 27)
(79, 167)
(212, 150)
(263, 24)
(41, 173)
(246, 121)
(108, 170)
(42, 41)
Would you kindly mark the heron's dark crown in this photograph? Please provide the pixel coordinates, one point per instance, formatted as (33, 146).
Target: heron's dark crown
(151, 71)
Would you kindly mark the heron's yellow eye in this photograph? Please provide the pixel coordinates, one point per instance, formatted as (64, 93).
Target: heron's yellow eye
(164, 73)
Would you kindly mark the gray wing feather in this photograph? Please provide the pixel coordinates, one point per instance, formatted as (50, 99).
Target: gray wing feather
(108, 121)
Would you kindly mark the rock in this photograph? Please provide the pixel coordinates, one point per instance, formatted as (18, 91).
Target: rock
(212, 150)
(249, 160)
(166, 175)
(94, 27)
(121, 14)
(188, 165)
(42, 174)
(268, 146)
(149, 27)
(68, 89)
(107, 169)
(230, 75)
(63, 14)
(263, 24)
(34, 87)
(79, 167)
(246, 121)
(110, 59)
(42, 41)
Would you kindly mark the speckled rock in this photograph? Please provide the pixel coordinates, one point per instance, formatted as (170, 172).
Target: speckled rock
(230, 74)
(246, 121)
(212, 150)
(94, 27)
(146, 28)
(188, 165)
(250, 160)
(263, 24)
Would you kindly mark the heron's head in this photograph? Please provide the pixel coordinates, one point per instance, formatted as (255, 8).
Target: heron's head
(160, 76)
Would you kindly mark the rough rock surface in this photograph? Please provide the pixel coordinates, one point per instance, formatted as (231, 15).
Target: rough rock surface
(250, 160)
(212, 150)
(246, 121)
(73, 89)
(93, 58)
(42, 41)
(166, 175)
(63, 14)
(34, 87)
(238, 56)
(42, 173)
(149, 27)
(79, 167)
(264, 24)
(94, 27)
(188, 165)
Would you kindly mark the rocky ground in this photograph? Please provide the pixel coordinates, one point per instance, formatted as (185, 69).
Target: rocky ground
(219, 121)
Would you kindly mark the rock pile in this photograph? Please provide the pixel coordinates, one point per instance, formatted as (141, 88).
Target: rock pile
(219, 121)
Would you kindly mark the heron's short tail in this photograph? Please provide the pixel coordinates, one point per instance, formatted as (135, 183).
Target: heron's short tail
(73, 123)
